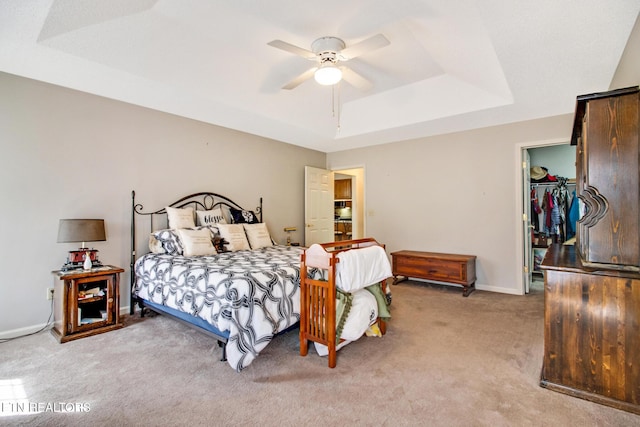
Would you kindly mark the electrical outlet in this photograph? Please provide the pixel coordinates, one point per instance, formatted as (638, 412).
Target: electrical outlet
(49, 293)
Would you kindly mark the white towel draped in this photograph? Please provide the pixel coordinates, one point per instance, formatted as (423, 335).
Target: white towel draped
(359, 268)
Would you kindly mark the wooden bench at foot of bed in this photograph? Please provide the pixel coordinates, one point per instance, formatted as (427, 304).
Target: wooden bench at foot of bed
(318, 297)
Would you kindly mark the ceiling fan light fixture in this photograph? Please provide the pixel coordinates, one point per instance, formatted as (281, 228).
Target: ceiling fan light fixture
(328, 74)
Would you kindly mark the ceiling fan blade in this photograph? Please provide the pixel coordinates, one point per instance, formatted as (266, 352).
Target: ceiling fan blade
(300, 79)
(372, 43)
(355, 79)
(288, 47)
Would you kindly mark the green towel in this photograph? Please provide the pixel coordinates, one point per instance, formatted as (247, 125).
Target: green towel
(381, 298)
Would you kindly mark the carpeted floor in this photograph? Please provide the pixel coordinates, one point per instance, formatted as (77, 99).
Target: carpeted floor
(445, 361)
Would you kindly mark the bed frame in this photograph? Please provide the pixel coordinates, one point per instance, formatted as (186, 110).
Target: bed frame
(198, 201)
(318, 297)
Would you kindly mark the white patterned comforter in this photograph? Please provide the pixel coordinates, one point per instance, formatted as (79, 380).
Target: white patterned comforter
(251, 294)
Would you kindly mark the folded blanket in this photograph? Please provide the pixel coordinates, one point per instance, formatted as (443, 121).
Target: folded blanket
(359, 268)
(363, 313)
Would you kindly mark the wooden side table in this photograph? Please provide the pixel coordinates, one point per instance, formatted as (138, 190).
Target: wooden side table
(86, 302)
(438, 267)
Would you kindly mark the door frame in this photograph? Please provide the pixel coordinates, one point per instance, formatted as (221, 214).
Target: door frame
(519, 201)
(527, 242)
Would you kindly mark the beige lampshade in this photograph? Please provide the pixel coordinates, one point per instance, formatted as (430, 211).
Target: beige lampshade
(81, 230)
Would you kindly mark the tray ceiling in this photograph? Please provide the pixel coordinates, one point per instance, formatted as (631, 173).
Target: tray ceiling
(450, 66)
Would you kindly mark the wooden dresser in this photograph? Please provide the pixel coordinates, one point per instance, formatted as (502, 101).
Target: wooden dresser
(447, 268)
(592, 289)
(605, 133)
(591, 331)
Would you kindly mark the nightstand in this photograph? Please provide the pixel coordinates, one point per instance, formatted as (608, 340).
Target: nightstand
(86, 302)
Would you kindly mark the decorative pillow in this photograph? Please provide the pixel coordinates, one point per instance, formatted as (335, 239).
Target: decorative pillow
(165, 242)
(196, 242)
(213, 230)
(258, 235)
(214, 216)
(155, 246)
(180, 218)
(234, 234)
(243, 217)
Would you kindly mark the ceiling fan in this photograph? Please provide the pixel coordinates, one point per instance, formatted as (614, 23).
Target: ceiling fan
(328, 52)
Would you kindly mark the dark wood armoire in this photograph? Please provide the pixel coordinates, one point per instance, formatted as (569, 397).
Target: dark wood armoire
(592, 288)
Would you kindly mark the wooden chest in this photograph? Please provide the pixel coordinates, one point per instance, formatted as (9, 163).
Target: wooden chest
(438, 267)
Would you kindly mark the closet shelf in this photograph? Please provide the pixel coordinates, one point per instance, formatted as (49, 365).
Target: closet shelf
(552, 183)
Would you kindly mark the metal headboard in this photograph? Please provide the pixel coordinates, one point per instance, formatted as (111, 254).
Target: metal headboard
(199, 201)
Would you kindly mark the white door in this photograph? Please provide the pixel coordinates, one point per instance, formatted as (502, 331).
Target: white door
(318, 206)
(527, 269)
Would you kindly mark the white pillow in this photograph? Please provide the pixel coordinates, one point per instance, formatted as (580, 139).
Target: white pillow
(258, 235)
(196, 242)
(180, 218)
(214, 216)
(234, 234)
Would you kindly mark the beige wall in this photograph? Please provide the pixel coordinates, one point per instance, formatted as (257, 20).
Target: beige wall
(453, 193)
(460, 192)
(628, 72)
(66, 154)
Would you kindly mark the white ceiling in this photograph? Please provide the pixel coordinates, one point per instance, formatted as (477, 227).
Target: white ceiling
(450, 66)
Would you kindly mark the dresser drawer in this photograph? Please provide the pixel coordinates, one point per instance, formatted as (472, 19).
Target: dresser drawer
(435, 269)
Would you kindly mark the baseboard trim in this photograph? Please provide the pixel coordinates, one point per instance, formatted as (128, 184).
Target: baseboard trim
(510, 291)
(20, 332)
(17, 333)
(479, 287)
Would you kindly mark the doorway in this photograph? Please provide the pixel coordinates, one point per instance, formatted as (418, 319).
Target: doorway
(320, 205)
(355, 210)
(556, 159)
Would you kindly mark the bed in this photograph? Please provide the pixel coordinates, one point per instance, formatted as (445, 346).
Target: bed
(242, 294)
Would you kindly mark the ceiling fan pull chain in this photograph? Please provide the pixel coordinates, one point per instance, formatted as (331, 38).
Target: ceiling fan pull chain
(338, 108)
(333, 100)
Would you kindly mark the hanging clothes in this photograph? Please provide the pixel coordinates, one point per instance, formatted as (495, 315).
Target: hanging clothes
(574, 215)
(550, 206)
(552, 215)
(561, 197)
(535, 209)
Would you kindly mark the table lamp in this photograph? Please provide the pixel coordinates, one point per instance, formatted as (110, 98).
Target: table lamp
(81, 230)
(289, 230)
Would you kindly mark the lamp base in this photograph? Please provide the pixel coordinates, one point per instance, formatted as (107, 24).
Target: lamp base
(75, 259)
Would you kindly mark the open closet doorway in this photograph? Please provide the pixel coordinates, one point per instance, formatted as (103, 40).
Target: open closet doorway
(349, 204)
(548, 191)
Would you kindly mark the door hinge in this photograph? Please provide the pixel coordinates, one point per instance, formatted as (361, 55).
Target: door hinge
(524, 216)
(526, 269)
(524, 165)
